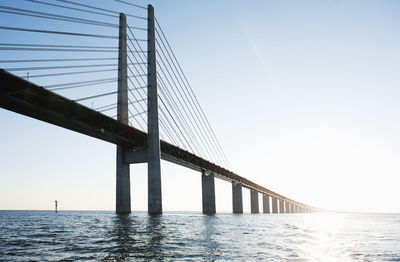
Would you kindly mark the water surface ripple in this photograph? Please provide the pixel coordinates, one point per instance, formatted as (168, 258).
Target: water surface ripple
(177, 236)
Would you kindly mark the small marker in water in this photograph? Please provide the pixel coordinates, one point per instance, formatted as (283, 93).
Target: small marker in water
(56, 205)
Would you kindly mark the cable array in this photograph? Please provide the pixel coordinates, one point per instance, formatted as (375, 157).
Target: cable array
(68, 54)
(182, 107)
(71, 57)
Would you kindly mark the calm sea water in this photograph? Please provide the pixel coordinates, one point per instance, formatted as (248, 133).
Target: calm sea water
(105, 236)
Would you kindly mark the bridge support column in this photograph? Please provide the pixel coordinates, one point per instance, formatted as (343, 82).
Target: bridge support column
(281, 206)
(123, 184)
(237, 200)
(123, 196)
(208, 193)
(274, 205)
(266, 204)
(254, 202)
(287, 208)
(153, 139)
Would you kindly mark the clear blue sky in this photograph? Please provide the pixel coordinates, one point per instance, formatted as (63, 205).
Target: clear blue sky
(303, 96)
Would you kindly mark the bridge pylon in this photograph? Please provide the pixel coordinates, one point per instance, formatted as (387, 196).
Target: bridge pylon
(153, 140)
(151, 154)
(123, 185)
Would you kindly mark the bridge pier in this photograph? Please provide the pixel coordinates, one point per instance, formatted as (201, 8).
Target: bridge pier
(287, 209)
(281, 206)
(123, 187)
(266, 204)
(254, 207)
(237, 200)
(208, 193)
(274, 205)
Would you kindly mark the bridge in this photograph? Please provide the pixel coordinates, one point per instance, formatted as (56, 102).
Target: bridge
(186, 139)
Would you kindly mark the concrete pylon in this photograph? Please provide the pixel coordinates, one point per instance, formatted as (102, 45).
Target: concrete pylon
(254, 207)
(274, 205)
(153, 138)
(208, 193)
(123, 184)
(237, 200)
(266, 209)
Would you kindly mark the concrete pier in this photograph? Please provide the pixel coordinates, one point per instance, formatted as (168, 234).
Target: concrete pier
(208, 193)
(287, 208)
(237, 200)
(254, 202)
(281, 206)
(266, 209)
(123, 184)
(153, 141)
(274, 205)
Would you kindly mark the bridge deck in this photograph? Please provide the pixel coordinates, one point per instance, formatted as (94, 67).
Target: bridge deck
(26, 98)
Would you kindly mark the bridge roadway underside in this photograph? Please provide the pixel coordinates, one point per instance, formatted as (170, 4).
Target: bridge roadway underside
(26, 98)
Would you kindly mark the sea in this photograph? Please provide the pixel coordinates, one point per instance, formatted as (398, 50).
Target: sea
(189, 236)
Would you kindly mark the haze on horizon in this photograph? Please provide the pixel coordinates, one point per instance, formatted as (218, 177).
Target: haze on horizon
(302, 95)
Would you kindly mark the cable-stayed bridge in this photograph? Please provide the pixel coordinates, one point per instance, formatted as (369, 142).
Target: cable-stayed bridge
(115, 77)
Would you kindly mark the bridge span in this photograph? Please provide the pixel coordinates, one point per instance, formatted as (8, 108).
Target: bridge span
(26, 98)
(133, 145)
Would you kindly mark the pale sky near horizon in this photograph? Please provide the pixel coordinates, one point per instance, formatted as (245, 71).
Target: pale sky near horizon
(303, 96)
